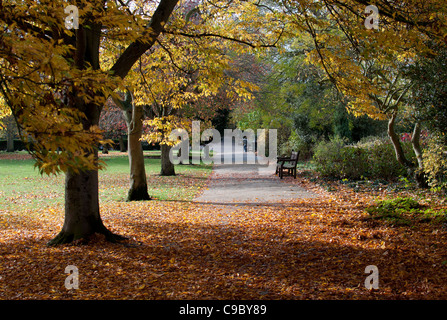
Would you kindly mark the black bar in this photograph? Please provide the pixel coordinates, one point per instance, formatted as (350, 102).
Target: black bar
(224, 309)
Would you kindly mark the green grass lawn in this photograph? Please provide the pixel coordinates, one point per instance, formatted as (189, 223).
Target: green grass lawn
(21, 185)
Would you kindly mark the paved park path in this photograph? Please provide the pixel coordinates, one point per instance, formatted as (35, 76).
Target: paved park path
(245, 183)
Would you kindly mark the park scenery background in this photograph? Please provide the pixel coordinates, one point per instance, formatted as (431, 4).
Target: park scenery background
(93, 208)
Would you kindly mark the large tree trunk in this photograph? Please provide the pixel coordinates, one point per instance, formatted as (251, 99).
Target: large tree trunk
(81, 188)
(167, 167)
(82, 218)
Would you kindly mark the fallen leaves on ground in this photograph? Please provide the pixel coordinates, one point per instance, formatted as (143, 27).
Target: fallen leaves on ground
(314, 248)
(14, 156)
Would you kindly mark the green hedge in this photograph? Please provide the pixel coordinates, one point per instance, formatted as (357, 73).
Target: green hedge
(373, 159)
(18, 145)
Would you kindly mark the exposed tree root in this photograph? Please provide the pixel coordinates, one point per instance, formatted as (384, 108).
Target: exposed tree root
(65, 237)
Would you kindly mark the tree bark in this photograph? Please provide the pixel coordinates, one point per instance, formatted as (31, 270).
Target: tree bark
(415, 142)
(419, 175)
(416, 172)
(82, 218)
(400, 156)
(138, 181)
(10, 133)
(167, 167)
(134, 115)
(122, 144)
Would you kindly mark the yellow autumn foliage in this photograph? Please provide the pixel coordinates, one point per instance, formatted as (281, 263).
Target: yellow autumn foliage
(41, 79)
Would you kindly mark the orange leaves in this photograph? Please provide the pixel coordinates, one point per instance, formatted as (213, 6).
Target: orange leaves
(313, 248)
(249, 258)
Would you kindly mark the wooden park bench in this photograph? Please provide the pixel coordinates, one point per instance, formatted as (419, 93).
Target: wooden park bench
(287, 164)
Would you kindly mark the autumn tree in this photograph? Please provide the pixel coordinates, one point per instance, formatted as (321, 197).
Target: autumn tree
(113, 125)
(54, 78)
(202, 67)
(365, 61)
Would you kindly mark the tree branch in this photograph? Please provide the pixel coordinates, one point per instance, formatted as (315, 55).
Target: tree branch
(215, 35)
(134, 51)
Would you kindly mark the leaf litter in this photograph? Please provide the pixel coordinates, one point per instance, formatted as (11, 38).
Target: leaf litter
(313, 248)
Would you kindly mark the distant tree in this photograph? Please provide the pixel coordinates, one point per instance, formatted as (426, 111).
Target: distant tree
(113, 125)
(134, 116)
(10, 132)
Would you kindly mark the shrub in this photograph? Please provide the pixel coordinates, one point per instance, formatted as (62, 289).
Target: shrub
(328, 158)
(382, 160)
(372, 158)
(354, 163)
(435, 164)
(435, 217)
(292, 144)
(296, 143)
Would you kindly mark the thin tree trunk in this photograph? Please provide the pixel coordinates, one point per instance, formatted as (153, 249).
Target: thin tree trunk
(419, 174)
(415, 141)
(138, 181)
(134, 114)
(10, 142)
(416, 172)
(122, 144)
(400, 156)
(10, 133)
(167, 167)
